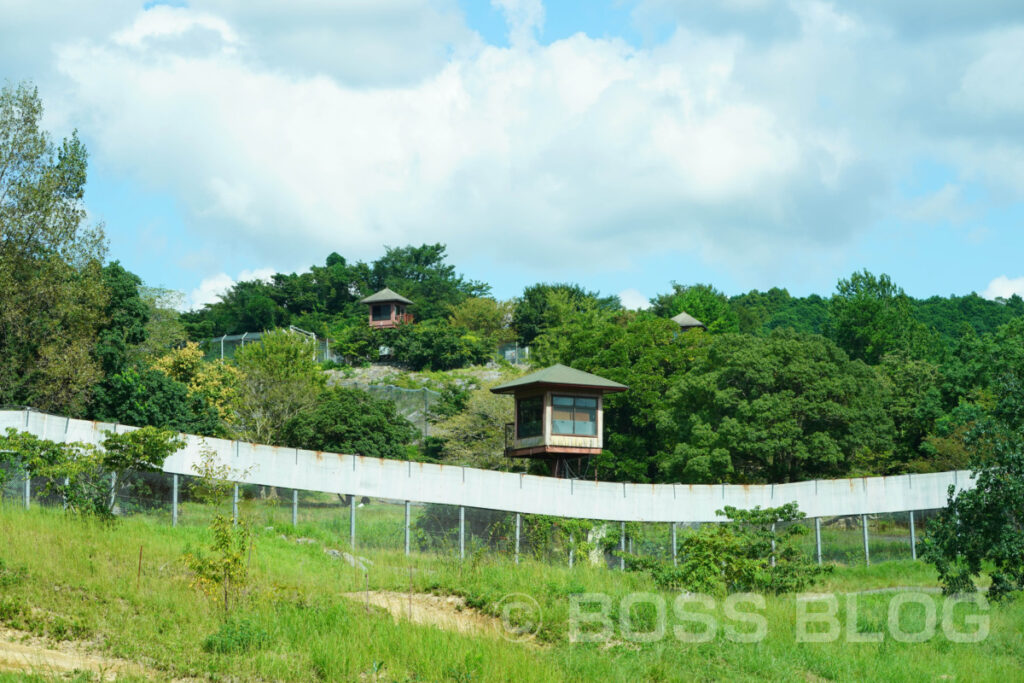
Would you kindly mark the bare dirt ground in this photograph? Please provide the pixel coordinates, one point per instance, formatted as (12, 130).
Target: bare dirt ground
(446, 612)
(20, 652)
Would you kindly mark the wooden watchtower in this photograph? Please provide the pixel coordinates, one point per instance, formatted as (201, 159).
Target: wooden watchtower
(387, 309)
(559, 417)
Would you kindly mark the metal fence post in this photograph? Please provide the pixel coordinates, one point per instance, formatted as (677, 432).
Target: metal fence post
(572, 548)
(675, 547)
(519, 528)
(64, 496)
(817, 536)
(408, 510)
(28, 490)
(234, 505)
(352, 520)
(462, 533)
(864, 526)
(174, 500)
(622, 546)
(295, 507)
(913, 538)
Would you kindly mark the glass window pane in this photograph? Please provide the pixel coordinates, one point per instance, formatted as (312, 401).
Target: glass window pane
(529, 417)
(562, 400)
(582, 402)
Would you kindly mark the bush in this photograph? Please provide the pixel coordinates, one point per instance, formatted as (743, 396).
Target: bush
(747, 553)
(236, 635)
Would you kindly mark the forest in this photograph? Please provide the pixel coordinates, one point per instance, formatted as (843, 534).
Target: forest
(863, 380)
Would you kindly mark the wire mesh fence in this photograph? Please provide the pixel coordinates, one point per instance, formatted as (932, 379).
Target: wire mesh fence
(347, 522)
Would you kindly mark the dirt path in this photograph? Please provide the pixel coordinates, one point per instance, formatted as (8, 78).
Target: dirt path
(21, 652)
(447, 612)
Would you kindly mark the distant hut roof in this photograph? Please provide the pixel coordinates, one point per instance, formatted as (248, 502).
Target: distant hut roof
(562, 376)
(687, 321)
(385, 296)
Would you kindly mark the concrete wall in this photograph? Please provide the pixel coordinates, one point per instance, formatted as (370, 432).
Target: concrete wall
(427, 483)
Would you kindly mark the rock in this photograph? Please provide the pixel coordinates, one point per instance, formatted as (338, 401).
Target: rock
(302, 540)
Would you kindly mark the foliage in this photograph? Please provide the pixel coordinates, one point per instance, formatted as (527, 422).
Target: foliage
(703, 302)
(163, 329)
(221, 571)
(421, 275)
(236, 635)
(54, 300)
(785, 408)
(126, 317)
(149, 397)
(984, 526)
(544, 306)
(350, 421)
(280, 379)
(215, 383)
(89, 479)
(756, 550)
(485, 318)
(438, 345)
(475, 436)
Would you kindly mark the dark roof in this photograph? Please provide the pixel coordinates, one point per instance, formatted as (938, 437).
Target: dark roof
(563, 376)
(384, 296)
(687, 321)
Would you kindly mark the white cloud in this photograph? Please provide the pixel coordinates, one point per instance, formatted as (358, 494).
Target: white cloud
(759, 137)
(212, 288)
(634, 300)
(1003, 287)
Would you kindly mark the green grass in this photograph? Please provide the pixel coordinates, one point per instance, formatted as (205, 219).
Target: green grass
(75, 578)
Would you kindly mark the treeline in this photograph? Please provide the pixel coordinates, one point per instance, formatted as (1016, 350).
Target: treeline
(778, 388)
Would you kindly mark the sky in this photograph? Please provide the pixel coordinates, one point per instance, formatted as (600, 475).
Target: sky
(621, 145)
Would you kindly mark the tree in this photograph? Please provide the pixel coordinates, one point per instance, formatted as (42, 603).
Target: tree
(163, 329)
(53, 299)
(475, 437)
(485, 318)
(786, 408)
(280, 379)
(421, 274)
(126, 318)
(142, 397)
(703, 302)
(213, 382)
(437, 345)
(543, 306)
(984, 525)
(871, 316)
(350, 421)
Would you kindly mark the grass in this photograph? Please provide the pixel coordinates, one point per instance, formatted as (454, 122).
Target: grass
(78, 579)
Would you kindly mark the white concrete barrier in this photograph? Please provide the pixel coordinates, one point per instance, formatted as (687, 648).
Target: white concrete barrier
(429, 483)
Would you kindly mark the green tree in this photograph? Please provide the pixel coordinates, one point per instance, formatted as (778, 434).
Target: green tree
(280, 379)
(703, 302)
(421, 275)
(437, 345)
(126, 318)
(485, 318)
(53, 299)
(163, 328)
(475, 436)
(544, 306)
(984, 525)
(350, 421)
(784, 408)
(142, 397)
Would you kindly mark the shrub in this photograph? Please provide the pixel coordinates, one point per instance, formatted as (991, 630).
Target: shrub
(236, 635)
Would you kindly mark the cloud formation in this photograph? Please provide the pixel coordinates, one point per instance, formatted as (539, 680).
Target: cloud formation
(1004, 287)
(759, 136)
(212, 288)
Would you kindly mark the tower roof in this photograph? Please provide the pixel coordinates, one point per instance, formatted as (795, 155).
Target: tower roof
(687, 321)
(560, 375)
(384, 296)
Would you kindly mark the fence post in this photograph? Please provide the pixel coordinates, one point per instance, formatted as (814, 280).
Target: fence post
(519, 528)
(864, 526)
(462, 533)
(64, 497)
(28, 490)
(817, 537)
(913, 538)
(295, 507)
(773, 544)
(234, 505)
(174, 500)
(572, 548)
(622, 546)
(407, 515)
(352, 520)
(675, 547)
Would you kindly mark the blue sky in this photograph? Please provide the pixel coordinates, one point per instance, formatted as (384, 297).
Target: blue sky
(621, 145)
